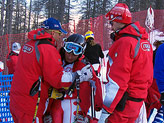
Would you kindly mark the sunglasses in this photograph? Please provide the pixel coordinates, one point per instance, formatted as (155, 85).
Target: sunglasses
(58, 32)
(111, 21)
(76, 48)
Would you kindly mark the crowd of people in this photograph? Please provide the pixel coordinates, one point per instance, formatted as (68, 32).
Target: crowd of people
(60, 86)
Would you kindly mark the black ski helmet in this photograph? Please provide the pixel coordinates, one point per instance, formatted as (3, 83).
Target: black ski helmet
(78, 39)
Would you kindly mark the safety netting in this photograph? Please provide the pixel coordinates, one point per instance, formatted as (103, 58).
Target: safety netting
(99, 25)
(5, 85)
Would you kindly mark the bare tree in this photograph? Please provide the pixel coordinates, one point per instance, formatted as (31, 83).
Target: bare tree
(8, 17)
(25, 17)
(159, 4)
(2, 17)
(104, 6)
(29, 19)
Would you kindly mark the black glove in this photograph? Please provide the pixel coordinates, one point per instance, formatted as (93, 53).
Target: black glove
(162, 98)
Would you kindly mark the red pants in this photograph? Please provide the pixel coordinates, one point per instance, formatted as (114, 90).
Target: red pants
(57, 112)
(21, 117)
(128, 115)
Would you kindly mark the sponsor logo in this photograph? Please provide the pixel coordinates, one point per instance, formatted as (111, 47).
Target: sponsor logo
(145, 46)
(55, 25)
(27, 48)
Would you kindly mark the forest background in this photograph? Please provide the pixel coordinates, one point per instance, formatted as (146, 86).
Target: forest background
(21, 16)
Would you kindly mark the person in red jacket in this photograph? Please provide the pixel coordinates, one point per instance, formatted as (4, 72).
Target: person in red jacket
(39, 67)
(129, 69)
(12, 58)
(65, 109)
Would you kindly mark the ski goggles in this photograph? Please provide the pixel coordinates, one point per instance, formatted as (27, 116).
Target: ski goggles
(91, 35)
(76, 48)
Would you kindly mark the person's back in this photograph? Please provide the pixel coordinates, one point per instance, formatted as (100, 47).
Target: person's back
(30, 67)
(12, 58)
(93, 51)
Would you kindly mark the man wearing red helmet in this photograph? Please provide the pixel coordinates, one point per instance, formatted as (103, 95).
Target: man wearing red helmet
(129, 70)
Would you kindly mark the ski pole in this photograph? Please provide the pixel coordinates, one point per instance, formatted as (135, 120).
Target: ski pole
(93, 113)
(78, 97)
(36, 88)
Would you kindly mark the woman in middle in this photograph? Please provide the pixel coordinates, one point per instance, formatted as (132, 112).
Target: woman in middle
(74, 107)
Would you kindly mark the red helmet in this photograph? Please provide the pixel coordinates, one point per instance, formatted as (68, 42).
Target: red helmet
(120, 13)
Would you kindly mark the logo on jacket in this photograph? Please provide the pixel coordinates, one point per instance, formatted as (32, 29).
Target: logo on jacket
(145, 46)
(27, 48)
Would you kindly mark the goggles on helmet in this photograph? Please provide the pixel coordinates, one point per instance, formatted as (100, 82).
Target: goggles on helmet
(76, 48)
(91, 35)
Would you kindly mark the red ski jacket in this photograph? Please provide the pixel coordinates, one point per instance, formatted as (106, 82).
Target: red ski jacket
(130, 66)
(30, 66)
(11, 62)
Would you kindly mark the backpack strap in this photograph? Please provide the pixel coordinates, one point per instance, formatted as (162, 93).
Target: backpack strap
(129, 35)
(138, 43)
(136, 37)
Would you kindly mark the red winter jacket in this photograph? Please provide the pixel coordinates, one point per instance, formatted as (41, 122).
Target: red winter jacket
(130, 66)
(11, 62)
(29, 69)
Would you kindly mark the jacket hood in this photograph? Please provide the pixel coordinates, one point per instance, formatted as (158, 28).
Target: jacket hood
(40, 34)
(135, 29)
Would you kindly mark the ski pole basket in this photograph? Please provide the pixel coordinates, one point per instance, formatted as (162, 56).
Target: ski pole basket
(5, 85)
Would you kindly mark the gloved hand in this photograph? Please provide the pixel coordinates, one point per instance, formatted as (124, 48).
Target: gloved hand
(85, 73)
(56, 94)
(104, 116)
(47, 119)
(162, 98)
